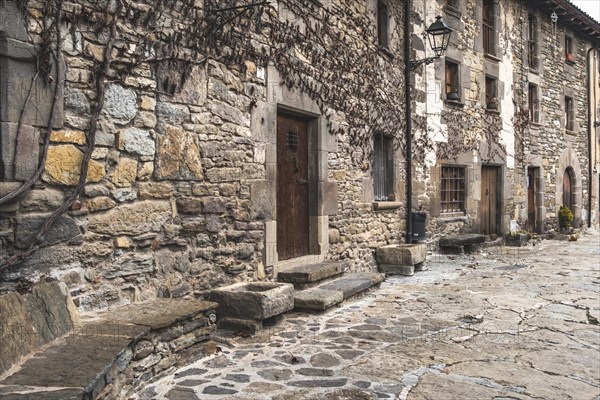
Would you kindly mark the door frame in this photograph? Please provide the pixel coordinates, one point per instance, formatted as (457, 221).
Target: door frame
(499, 168)
(311, 127)
(538, 188)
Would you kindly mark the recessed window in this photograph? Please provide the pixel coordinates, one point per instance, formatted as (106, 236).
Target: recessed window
(452, 4)
(383, 168)
(569, 114)
(569, 52)
(451, 86)
(383, 22)
(491, 93)
(532, 42)
(453, 190)
(488, 27)
(534, 103)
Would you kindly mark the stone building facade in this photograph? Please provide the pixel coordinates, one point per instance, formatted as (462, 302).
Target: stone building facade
(224, 141)
(508, 109)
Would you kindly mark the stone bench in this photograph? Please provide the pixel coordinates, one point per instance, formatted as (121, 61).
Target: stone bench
(461, 243)
(110, 355)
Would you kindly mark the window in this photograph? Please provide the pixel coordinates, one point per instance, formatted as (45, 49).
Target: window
(491, 93)
(452, 4)
(534, 103)
(569, 114)
(489, 34)
(569, 54)
(532, 43)
(382, 24)
(383, 168)
(452, 81)
(453, 190)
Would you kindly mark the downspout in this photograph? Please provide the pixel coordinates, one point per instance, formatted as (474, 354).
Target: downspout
(589, 132)
(408, 112)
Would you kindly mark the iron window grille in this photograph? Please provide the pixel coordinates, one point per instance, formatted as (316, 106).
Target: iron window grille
(534, 103)
(453, 190)
(532, 43)
(489, 34)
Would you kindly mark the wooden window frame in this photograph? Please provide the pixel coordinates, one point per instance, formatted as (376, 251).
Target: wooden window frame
(451, 78)
(492, 102)
(383, 168)
(383, 24)
(453, 189)
(533, 100)
(569, 114)
(569, 51)
(488, 27)
(532, 42)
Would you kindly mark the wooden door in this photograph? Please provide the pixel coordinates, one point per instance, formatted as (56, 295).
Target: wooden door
(567, 189)
(531, 207)
(292, 187)
(489, 200)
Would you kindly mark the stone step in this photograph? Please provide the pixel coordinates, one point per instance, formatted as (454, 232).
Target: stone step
(328, 294)
(305, 276)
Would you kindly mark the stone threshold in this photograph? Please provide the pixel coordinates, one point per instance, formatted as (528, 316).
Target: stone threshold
(116, 352)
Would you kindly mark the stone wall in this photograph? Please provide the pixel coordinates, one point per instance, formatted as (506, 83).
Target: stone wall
(178, 196)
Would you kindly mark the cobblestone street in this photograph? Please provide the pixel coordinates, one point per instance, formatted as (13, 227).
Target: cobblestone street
(504, 323)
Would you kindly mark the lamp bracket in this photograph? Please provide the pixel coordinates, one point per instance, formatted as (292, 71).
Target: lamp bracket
(416, 63)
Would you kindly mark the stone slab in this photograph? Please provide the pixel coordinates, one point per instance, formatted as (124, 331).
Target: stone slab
(461, 240)
(44, 394)
(160, 313)
(394, 269)
(402, 254)
(75, 362)
(317, 299)
(348, 286)
(310, 273)
(255, 300)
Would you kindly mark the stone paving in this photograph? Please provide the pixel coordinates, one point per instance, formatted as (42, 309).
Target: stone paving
(505, 323)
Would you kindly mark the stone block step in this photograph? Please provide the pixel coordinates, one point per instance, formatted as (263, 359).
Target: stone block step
(308, 275)
(328, 294)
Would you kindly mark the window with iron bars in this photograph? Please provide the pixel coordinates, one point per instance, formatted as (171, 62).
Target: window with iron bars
(532, 43)
(489, 34)
(453, 190)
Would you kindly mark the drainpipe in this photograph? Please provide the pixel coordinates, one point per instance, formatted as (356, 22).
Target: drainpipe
(408, 112)
(590, 126)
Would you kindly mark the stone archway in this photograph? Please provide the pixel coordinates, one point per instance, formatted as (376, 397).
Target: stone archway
(568, 164)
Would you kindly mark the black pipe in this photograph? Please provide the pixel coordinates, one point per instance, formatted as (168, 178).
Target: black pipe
(590, 124)
(407, 107)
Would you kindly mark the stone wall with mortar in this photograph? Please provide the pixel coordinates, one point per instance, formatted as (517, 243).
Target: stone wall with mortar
(177, 199)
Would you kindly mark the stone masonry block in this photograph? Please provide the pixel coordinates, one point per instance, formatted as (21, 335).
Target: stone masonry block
(258, 300)
(402, 254)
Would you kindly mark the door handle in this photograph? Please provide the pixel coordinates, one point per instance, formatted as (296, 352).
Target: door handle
(301, 182)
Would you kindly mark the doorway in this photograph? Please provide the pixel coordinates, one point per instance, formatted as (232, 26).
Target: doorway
(568, 179)
(490, 200)
(532, 200)
(292, 186)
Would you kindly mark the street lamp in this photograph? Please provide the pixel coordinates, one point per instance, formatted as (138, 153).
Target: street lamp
(438, 34)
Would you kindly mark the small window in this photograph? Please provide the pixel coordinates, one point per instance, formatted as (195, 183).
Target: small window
(491, 93)
(452, 81)
(534, 104)
(383, 20)
(452, 4)
(383, 168)
(569, 53)
(488, 27)
(532, 41)
(569, 114)
(453, 190)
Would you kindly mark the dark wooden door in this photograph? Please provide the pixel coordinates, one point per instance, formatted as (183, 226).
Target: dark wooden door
(292, 186)
(531, 184)
(567, 189)
(489, 200)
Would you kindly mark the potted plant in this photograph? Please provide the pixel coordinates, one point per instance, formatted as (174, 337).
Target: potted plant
(565, 218)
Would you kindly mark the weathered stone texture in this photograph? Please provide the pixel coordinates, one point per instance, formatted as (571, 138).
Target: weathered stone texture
(132, 219)
(63, 166)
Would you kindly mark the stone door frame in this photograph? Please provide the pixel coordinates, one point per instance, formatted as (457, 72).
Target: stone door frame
(322, 193)
(569, 159)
